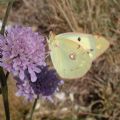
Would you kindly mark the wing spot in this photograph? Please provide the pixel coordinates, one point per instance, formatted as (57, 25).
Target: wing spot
(78, 47)
(79, 39)
(91, 49)
(72, 56)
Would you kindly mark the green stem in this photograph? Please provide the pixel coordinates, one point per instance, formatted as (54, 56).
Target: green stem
(4, 90)
(3, 77)
(6, 17)
(33, 108)
(7, 74)
(0, 91)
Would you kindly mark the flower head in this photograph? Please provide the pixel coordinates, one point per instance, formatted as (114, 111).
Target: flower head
(46, 84)
(24, 89)
(22, 49)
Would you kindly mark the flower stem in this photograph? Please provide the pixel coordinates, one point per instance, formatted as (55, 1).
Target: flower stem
(33, 108)
(4, 90)
(7, 74)
(3, 77)
(0, 91)
(6, 17)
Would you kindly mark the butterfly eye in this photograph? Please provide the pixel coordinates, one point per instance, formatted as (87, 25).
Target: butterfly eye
(79, 39)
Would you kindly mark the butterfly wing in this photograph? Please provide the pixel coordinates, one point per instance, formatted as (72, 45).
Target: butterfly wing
(69, 60)
(86, 41)
(101, 45)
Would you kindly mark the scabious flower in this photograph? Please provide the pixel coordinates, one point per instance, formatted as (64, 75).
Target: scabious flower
(22, 52)
(46, 84)
(22, 49)
(24, 89)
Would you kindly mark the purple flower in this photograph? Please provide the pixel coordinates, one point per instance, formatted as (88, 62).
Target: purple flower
(24, 89)
(22, 49)
(46, 84)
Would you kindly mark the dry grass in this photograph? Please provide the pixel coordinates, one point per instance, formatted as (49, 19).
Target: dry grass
(89, 16)
(97, 95)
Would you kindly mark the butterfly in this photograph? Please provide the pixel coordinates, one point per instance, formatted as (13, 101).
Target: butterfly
(72, 53)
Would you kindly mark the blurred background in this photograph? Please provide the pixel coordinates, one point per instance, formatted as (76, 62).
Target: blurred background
(96, 96)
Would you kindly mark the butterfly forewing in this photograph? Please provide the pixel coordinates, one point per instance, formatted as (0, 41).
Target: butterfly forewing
(86, 41)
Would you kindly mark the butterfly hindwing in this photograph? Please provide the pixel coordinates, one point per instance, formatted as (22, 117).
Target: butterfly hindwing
(101, 45)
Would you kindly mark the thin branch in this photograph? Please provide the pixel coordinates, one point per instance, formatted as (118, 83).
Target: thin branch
(4, 90)
(6, 17)
(33, 108)
(3, 77)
